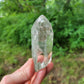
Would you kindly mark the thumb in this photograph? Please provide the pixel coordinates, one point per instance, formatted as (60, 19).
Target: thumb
(21, 75)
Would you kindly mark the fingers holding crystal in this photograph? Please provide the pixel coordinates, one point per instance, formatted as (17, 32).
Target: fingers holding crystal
(41, 58)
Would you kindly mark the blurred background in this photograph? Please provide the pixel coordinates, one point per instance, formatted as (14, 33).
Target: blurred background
(67, 19)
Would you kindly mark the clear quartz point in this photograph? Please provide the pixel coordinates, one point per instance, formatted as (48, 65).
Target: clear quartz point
(42, 42)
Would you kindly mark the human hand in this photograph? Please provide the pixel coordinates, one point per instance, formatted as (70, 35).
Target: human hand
(27, 75)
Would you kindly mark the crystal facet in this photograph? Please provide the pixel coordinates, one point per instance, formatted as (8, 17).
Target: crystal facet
(42, 42)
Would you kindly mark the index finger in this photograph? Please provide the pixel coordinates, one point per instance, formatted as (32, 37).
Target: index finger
(21, 75)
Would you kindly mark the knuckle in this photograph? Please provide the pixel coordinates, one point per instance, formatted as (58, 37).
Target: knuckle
(24, 75)
(5, 79)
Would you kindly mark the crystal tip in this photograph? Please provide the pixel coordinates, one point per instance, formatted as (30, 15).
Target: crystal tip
(41, 19)
(41, 16)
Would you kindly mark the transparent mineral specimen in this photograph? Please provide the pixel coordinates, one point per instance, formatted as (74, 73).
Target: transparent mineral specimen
(42, 42)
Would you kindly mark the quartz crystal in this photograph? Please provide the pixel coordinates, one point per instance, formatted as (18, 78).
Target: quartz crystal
(42, 42)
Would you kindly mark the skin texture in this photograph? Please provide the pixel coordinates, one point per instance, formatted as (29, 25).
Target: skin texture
(27, 75)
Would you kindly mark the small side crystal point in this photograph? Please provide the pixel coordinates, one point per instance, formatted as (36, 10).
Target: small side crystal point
(42, 42)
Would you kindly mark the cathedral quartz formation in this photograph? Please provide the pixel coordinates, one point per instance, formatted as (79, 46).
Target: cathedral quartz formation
(42, 42)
